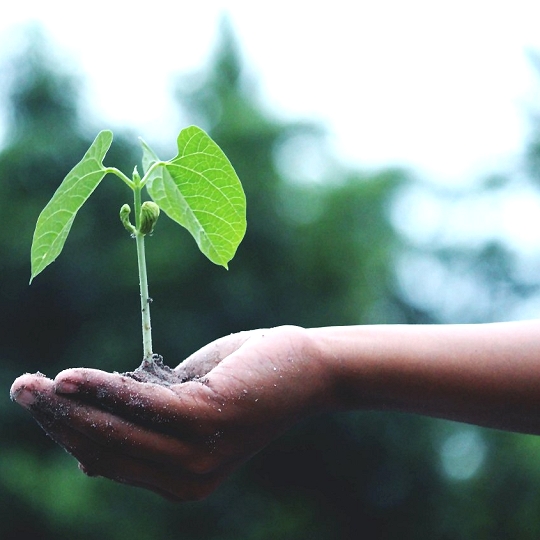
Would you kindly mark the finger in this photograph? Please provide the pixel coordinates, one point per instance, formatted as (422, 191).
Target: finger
(157, 407)
(96, 459)
(36, 393)
(26, 388)
(123, 438)
(95, 437)
(82, 428)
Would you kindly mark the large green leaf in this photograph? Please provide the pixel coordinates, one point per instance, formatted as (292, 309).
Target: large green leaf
(199, 189)
(54, 222)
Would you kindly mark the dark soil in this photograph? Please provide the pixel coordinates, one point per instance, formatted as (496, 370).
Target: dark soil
(155, 371)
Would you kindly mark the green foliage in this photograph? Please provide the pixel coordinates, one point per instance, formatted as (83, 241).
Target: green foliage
(200, 190)
(54, 222)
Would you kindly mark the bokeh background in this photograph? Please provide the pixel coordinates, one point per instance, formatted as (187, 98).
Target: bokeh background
(329, 242)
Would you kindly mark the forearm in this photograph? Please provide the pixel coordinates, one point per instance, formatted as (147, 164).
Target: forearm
(487, 374)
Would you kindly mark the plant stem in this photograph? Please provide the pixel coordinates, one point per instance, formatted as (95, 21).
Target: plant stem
(143, 279)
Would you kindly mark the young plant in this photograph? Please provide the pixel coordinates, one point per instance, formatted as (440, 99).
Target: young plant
(198, 189)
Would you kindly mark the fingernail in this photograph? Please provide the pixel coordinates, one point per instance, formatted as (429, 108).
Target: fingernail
(66, 387)
(24, 397)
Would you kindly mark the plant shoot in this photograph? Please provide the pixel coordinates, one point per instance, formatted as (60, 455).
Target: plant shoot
(198, 189)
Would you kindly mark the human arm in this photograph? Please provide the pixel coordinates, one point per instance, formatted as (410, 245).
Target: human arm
(182, 441)
(485, 374)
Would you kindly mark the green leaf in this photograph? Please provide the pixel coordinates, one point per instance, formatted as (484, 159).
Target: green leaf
(199, 189)
(54, 222)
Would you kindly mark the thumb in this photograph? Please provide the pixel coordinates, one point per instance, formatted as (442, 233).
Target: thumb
(201, 362)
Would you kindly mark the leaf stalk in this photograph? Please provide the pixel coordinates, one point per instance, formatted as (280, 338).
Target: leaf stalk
(121, 175)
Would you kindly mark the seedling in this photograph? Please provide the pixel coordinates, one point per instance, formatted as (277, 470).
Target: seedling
(197, 189)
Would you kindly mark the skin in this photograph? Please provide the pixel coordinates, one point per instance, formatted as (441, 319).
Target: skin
(182, 441)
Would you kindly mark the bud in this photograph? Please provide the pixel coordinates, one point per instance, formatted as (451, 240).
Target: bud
(136, 175)
(124, 218)
(149, 216)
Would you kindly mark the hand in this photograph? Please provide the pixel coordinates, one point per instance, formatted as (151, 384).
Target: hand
(182, 441)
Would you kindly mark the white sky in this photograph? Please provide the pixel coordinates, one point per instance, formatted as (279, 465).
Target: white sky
(444, 87)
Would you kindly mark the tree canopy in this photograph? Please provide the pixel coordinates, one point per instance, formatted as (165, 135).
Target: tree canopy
(316, 253)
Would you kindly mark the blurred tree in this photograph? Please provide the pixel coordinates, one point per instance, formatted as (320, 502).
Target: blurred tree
(320, 250)
(457, 272)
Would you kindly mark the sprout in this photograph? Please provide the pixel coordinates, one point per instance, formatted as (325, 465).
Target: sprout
(198, 189)
(124, 218)
(149, 217)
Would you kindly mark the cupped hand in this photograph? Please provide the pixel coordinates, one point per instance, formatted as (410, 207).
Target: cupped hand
(181, 441)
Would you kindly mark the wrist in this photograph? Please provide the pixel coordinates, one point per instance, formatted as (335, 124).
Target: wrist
(339, 353)
(359, 366)
(310, 361)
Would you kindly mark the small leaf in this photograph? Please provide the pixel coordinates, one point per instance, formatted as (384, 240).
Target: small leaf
(199, 189)
(55, 220)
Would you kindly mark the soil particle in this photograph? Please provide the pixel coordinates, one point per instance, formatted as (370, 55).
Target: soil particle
(156, 372)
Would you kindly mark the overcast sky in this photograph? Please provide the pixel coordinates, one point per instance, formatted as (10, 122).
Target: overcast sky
(444, 87)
